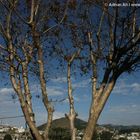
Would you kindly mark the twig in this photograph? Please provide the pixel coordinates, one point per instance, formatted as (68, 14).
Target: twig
(65, 12)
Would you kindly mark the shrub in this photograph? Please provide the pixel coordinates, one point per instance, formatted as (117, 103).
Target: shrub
(7, 137)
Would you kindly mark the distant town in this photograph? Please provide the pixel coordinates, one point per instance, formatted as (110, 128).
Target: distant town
(60, 131)
(15, 132)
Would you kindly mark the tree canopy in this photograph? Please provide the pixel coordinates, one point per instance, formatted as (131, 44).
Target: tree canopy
(45, 38)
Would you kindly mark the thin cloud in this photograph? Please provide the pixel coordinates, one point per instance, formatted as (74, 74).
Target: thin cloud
(75, 84)
(58, 115)
(131, 108)
(41, 116)
(59, 80)
(6, 97)
(126, 88)
(55, 91)
(81, 84)
(136, 86)
(6, 90)
(51, 90)
(77, 99)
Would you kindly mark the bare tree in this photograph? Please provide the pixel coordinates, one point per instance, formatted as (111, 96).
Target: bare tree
(69, 54)
(114, 49)
(110, 36)
(107, 44)
(72, 114)
(23, 27)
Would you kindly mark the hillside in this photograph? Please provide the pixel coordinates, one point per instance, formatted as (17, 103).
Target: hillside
(64, 123)
(80, 124)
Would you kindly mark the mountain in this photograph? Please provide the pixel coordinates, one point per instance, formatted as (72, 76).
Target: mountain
(64, 123)
(80, 124)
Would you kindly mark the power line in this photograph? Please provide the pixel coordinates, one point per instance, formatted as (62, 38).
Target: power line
(11, 117)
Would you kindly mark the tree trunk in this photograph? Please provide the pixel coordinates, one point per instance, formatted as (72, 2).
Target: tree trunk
(89, 132)
(27, 90)
(91, 125)
(73, 129)
(49, 121)
(16, 83)
(47, 103)
(34, 131)
(97, 106)
(72, 113)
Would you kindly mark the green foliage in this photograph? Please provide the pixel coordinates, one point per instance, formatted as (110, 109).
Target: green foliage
(129, 130)
(105, 136)
(95, 136)
(59, 134)
(102, 136)
(122, 138)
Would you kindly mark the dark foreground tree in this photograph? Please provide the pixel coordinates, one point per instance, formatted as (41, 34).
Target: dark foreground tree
(7, 137)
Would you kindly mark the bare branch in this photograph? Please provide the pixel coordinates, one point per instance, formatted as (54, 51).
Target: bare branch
(76, 54)
(62, 19)
(27, 90)
(3, 48)
(2, 31)
(32, 12)
(94, 66)
(72, 114)
(18, 14)
(99, 30)
(100, 24)
(115, 28)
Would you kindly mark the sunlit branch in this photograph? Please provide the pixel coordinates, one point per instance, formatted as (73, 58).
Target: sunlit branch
(32, 11)
(62, 19)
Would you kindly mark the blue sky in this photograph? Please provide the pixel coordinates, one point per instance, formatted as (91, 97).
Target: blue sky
(123, 106)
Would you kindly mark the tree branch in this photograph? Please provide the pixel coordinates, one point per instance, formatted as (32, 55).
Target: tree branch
(62, 19)
(32, 11)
